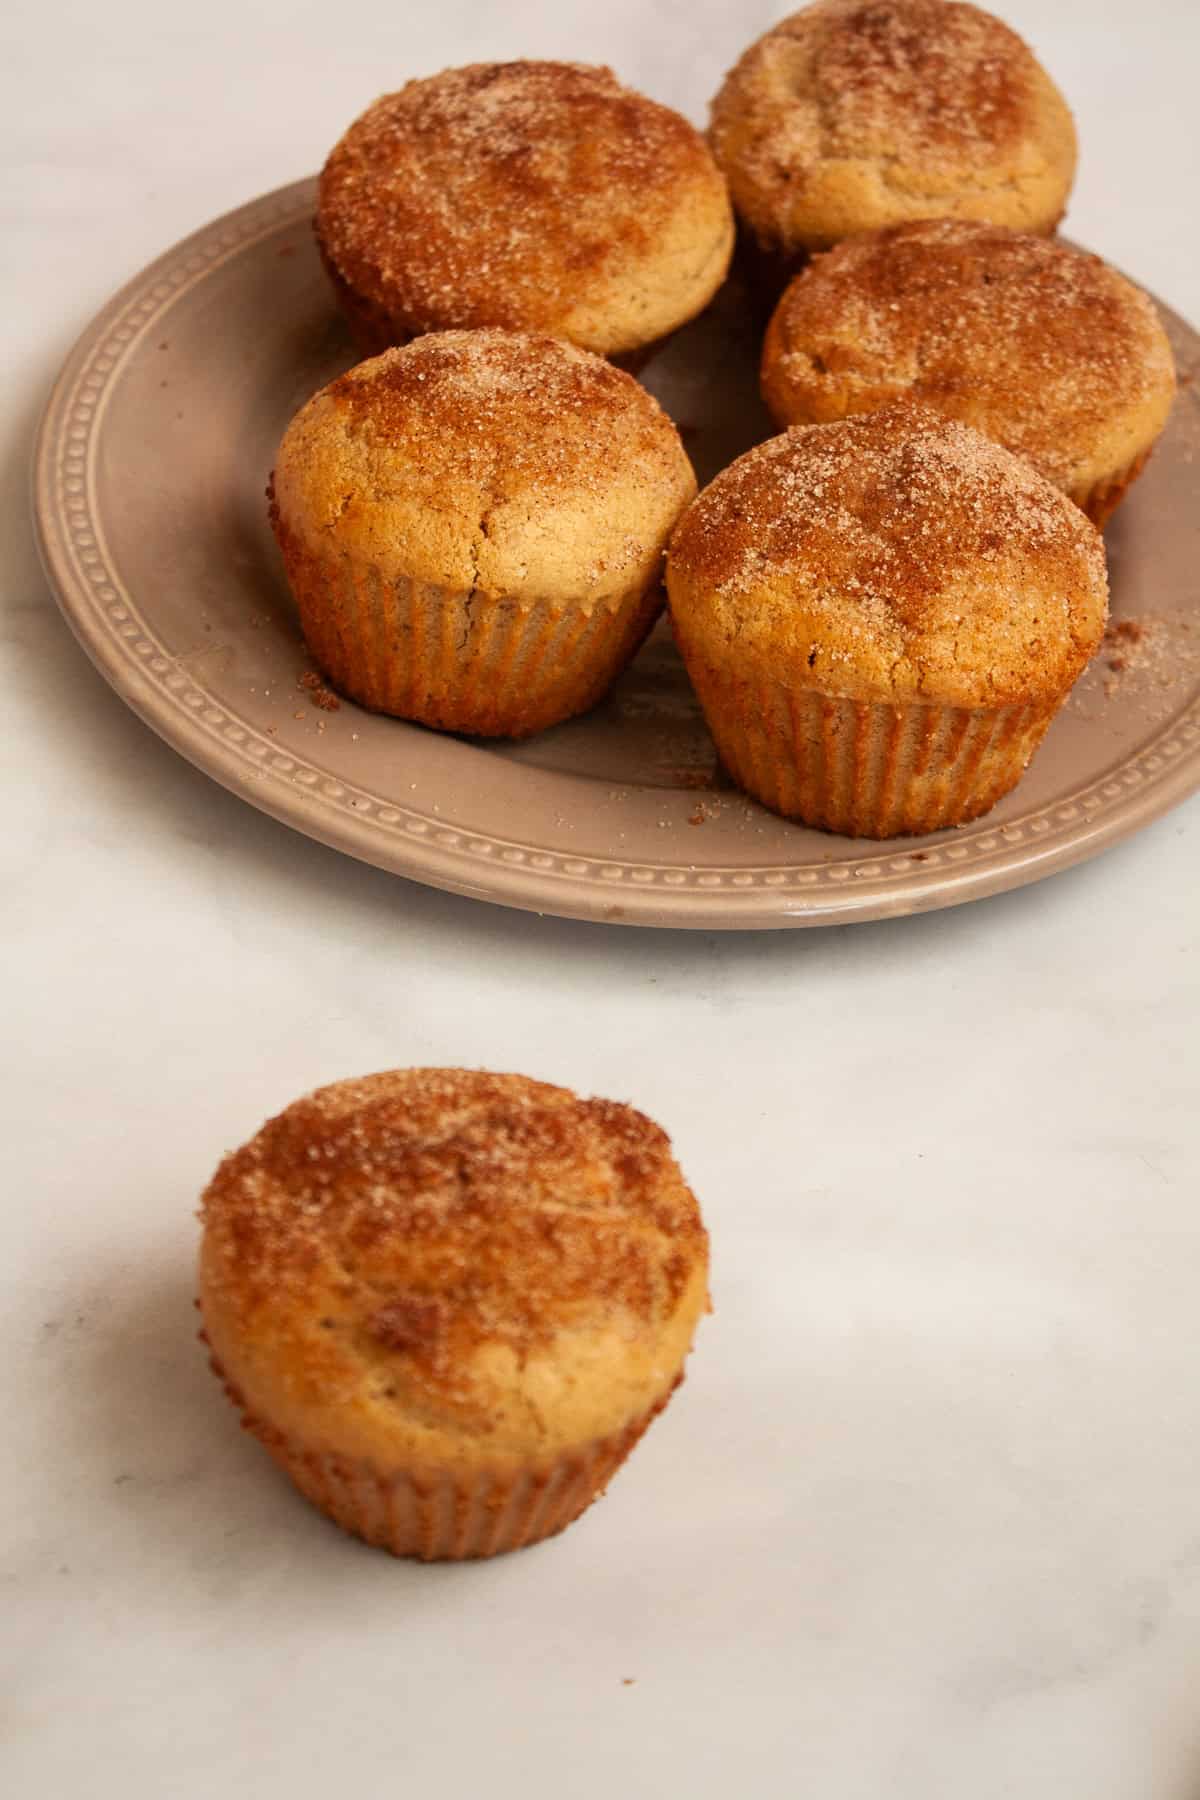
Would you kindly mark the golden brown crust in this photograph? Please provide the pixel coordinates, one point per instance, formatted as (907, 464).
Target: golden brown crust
(531, 195)
(894, 556)
(439, 1259)
(854, 114)
(1040, 346)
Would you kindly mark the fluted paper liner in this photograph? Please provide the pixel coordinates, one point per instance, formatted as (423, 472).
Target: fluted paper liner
(865, 768)
(444, 1518)
(458, 660)
(1101, 500)
(371, 326)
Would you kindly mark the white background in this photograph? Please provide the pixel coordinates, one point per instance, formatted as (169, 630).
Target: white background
(925, 1521)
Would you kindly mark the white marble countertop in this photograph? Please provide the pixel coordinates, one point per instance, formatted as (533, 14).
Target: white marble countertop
(925, 1521)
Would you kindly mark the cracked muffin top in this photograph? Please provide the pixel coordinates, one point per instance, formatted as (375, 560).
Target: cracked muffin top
(538, 196)
(899, 556)
(498, 462)
(855, 114)
(447, 1264)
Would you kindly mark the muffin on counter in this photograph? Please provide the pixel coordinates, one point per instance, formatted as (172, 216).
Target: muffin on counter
(473, 528)
(855, 114)
(881, 617)
(538, 196)
(449, 1303)
(1040, 346)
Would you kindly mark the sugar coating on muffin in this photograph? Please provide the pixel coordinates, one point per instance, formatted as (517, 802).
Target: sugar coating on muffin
(1040, 346)
(855, 114)
(538, 196)
(443, 1289)
(881, 616)
(474, 526)
(895, 553)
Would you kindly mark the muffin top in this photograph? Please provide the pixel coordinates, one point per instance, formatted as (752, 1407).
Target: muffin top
(443, 1263)
(1041, 346)
(854, 114)
(491, 461)
(893, 556)
(540, 196)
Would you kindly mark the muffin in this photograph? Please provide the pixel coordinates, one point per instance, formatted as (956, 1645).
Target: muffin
(881, 617)
(473, 528)
(1042, 347)
(449, 1303)
(537, 196)
(856, 114)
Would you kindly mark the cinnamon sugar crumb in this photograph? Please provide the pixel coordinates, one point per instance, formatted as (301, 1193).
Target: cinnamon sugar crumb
(320, 694)
(690, 779)
(1140, 646)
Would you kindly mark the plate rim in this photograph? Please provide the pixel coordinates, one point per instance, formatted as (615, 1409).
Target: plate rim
(876, 880)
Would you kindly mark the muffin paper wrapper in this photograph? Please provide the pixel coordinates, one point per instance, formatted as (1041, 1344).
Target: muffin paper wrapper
(1102, 499)
(458, 660)
(372, 327)
(864, 768)
(444, 1518)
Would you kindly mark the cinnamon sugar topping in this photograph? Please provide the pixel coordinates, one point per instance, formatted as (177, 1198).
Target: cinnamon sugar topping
(855, 113)
(897, 548)
(510, 404)
(502, 193)
(1041, 346)
(451, 1209)
(935, 80)
(884, 505)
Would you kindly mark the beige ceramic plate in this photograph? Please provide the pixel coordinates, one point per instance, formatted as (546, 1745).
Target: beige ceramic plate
(151, 464)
